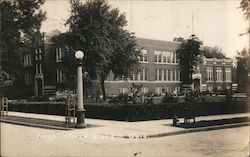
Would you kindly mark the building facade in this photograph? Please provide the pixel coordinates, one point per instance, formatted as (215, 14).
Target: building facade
(43, 72)
(159, 71)
(214, 75)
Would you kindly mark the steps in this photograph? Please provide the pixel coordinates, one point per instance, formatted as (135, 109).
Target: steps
(49, 90)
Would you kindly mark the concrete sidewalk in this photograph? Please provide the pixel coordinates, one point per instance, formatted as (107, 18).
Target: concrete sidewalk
(118, 129)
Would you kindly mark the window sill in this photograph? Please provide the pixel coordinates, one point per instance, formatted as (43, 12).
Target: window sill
(166, 63)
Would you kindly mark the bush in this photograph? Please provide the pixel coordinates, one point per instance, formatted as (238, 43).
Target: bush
(132, 112)
(38, 98)
(168, 98)
(229, 95)
(122, 98)
(61, 96)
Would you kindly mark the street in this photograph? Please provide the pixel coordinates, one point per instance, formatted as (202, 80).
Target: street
(19, 140)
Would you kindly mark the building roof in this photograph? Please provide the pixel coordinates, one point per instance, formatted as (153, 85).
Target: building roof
(158, 44)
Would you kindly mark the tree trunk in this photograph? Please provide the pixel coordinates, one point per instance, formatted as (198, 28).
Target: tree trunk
(103, 89)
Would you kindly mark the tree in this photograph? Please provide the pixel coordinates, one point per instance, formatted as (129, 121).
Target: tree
(188, 54)
(99, 31)
(245, 5)
(213, 52)
(20, 24)
(179, 39)
(5, 81)
(243, 63)
(243, 58)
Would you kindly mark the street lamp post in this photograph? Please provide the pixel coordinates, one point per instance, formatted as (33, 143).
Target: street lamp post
(80, 111)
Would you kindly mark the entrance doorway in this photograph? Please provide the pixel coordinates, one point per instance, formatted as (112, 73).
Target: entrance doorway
(197, 85)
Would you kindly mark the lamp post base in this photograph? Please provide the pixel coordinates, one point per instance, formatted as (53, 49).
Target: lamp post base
(80, 115)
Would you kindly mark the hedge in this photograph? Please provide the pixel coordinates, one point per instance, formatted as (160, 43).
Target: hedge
(133, 112)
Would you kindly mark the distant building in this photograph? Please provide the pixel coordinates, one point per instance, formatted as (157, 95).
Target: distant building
(214, 75)
(159, 70)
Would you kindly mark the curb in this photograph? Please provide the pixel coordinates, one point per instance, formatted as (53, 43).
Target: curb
(36, 125)
(210, 128)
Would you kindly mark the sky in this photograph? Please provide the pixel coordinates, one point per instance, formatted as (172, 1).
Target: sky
(215, 22)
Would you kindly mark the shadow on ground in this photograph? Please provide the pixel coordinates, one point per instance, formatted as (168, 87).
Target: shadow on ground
(41, 123)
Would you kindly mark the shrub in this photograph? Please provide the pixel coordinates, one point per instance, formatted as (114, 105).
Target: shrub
(62, 96)
(168, 98)
(122, 98)
(229, 95)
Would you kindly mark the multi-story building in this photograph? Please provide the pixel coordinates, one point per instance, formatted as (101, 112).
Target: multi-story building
(42, 67)
(159, 70)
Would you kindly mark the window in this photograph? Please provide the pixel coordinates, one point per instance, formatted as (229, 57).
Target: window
(58, 54)
(177, 89)
(169, 75)
(131, 77)
(38, 54)
(145, 90)
(160, 75)
(168, 57)
(39, 68)
(27, 60)
(157, 75)
(143, 57)
(165, 75)
(174, 57)
(219, 74)
(165, 57)
(59, 76)
(171, 57)
(178, 75)
(158, 90)
(141, 75)
(27, 78)
(210, 88)
(209, 73)
(157, 56)
(123, 90)
(228, 74)
(174, 75)
(135, 77)
(145, 73)
(168, 89)
(37, 72)
(160, 57)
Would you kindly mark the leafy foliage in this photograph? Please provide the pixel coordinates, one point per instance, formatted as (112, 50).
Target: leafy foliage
(188, 54)
(213, 52)
(5, 79)
(168, 98)
(62, 96)
(20, 24)
(243, 65)
(99, 31)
